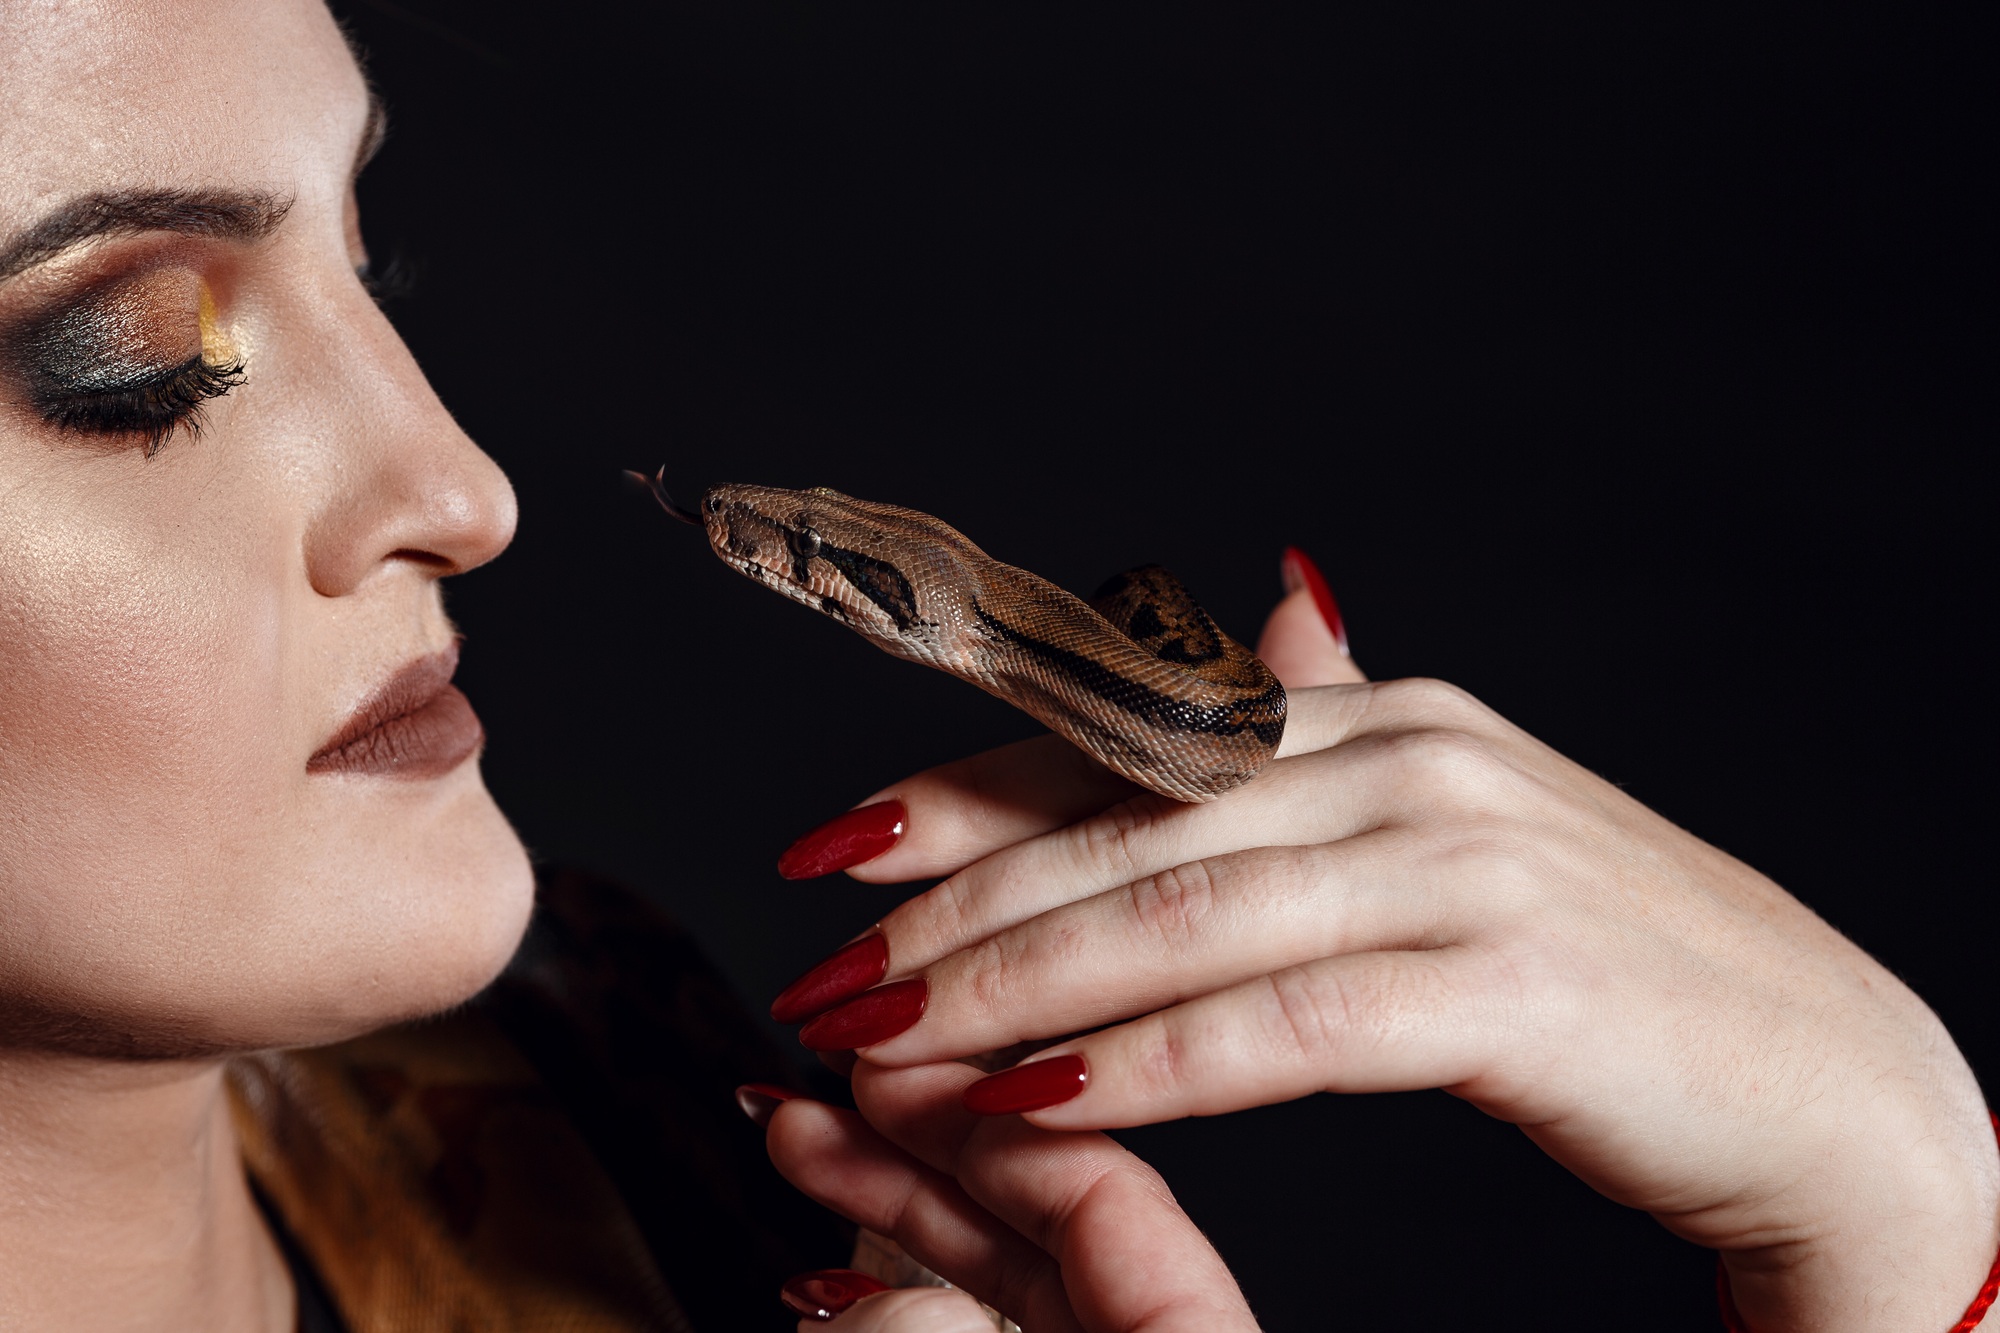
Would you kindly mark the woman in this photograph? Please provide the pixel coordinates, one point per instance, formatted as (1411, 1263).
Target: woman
(219, 837)
(242, 807)
(242, 815)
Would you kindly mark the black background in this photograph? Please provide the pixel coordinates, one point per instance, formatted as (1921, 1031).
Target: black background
(1617, 366)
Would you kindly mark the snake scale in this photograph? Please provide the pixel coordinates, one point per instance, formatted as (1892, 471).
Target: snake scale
(1139, 676)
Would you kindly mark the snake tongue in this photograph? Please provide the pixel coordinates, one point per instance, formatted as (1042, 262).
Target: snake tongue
(657, 485)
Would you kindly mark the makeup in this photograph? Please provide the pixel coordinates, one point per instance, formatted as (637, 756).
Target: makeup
(131, 360)
(418, 725)
(217, 347)
(1030, 1087)
(852, 969)
(112, 339)
(760, 1101)
(824, 1293)
(872, 1016)
(844, 841)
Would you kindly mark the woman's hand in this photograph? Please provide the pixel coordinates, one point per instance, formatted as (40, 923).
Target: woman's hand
(1418, 894)
(1062, 1231)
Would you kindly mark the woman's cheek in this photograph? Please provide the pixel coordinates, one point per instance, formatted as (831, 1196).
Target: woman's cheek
(142, 746)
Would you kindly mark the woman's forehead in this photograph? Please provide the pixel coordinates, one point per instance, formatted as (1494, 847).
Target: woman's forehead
(116, 95)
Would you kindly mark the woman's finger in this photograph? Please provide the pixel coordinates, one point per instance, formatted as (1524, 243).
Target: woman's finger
(908, 1310)
(950, 816)
(1375, 780)
(1131, 1259)
(1380, 1022)
(1193, 928)
(837, 1159)
(1304, 642)
(960, 1194)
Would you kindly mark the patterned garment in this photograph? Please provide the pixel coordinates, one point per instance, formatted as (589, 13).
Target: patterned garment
(562, 1155)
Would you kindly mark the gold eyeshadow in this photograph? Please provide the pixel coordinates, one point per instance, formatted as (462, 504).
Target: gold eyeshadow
(217, 347)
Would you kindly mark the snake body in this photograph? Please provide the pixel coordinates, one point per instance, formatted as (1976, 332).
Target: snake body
(1139, 676)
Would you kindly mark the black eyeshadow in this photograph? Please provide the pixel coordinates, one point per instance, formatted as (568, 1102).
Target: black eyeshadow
(102, 346)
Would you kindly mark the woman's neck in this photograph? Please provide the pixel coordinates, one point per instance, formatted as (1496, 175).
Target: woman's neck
(123, 1202)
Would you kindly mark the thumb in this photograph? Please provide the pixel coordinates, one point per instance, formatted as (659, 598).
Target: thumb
(909, 1310)
(1304, 641)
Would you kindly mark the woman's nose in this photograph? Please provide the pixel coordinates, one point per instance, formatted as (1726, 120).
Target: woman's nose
(410, 486)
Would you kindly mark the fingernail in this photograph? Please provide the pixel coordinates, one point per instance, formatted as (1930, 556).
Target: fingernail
(1028, 1087)
(759, 1100)
(825, 1292)
(840, 1062)
(866, 1019)
(844, 841)
(1298, 571)
(851, 969)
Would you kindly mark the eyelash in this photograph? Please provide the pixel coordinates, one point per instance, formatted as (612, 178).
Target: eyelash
(155, 407)
(152, 408)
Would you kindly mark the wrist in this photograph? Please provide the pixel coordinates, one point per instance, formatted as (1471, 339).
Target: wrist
(1910, 1251)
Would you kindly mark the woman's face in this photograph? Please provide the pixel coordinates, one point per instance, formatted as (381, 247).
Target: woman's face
(206, 840)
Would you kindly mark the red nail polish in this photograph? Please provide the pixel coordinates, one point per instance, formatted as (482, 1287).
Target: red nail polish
(1298, 571)
(844, 841)
(851, 969)
(759, 1100)
(824, 1293)
(866, 1019)
(1028, 1087)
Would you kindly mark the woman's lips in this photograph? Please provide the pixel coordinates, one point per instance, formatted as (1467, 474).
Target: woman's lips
(418, 725)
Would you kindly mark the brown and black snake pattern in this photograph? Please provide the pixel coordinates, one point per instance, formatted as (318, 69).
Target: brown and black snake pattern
(1139, 676)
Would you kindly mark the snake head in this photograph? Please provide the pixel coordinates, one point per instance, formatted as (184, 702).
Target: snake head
(854, 560)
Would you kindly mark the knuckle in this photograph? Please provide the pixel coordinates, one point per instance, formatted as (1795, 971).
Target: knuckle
(1321, 1017)
(1004, 970)
(1142, 1178)
(947, 910)
(1444, 760)
(1544, 1003)
(1072, 1195)
(1429, 698)
(1112, 841)
(1163, 1063)
(990, 974)
(1307, 1014)
(1175, 907)
(1494, 863)
(1486, 853)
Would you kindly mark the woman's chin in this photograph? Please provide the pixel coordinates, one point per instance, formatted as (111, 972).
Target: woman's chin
(438, 908)
(308, 921)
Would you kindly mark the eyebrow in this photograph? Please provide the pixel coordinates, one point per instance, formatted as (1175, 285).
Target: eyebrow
(231, 214)
(237, 215)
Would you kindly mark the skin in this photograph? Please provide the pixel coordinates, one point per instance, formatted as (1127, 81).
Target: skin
(178, 634)
(1415, 895)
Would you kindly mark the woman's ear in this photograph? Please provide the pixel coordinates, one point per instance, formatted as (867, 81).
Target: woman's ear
(1303, 641)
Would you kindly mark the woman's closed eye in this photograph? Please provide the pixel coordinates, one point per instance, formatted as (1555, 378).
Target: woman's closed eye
(134, 363)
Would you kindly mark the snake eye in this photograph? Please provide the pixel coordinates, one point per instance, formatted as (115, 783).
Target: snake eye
(713, 506)
(804, 543)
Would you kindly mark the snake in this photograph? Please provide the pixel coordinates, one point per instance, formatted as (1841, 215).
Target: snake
(1137, 676)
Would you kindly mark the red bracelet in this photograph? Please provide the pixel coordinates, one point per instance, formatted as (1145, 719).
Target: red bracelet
(1973, 1313)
